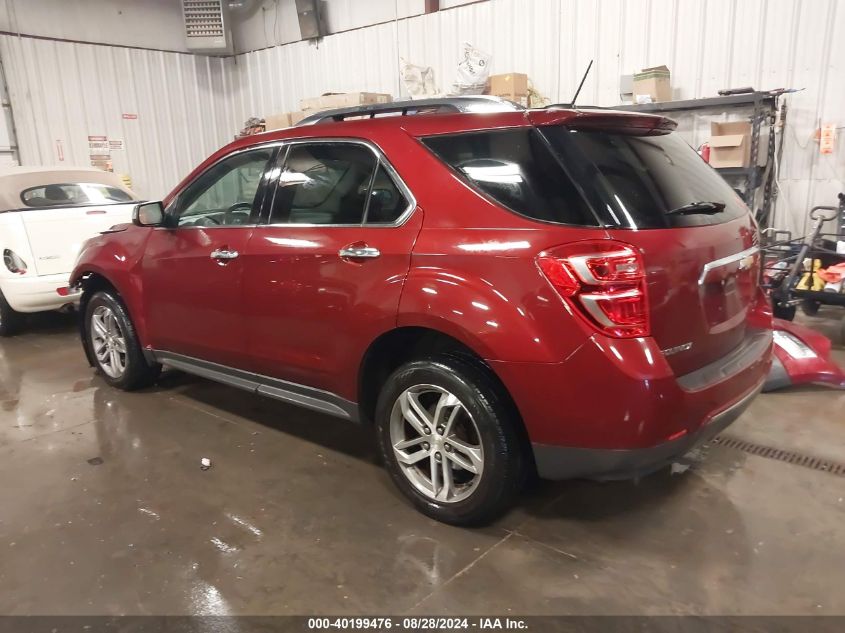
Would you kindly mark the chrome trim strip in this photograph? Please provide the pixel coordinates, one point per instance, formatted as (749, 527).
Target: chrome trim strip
(718, 263)
(301, 395)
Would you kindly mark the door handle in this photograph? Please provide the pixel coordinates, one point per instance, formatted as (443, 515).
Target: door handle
(222, 253)
(359, 251)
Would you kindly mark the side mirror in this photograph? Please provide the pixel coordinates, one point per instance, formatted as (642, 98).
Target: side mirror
(148, 214)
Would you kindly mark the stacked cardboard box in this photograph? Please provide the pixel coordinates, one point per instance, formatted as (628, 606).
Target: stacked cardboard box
(329, 101)
(653, 83)
(332, 101)
(512, 86)
(283, 120)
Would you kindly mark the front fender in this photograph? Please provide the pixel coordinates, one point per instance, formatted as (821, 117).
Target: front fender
(116, 257)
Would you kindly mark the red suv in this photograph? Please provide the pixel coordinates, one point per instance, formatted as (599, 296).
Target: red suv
(570, 292)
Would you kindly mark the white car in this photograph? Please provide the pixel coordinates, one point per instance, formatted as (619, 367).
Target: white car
(46, 214)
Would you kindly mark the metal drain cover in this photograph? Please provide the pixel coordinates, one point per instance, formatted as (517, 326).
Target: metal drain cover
(781, 455)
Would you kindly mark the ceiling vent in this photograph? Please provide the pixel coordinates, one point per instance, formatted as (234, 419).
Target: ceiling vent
(206, 26)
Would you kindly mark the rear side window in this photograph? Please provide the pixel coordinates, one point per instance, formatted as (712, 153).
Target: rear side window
(73, 194)
(645, 182)
(323, 183)
(387, 203)
(518, 170)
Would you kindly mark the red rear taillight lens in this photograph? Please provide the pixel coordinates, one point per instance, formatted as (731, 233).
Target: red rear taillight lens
(604, 281)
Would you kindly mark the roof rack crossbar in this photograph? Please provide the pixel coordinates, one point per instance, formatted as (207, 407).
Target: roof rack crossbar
(474, 103)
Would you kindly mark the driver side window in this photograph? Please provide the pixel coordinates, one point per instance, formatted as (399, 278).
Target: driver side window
(224, 195)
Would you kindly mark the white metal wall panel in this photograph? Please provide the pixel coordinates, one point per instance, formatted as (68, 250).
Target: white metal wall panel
(63, 92)
(188, 106)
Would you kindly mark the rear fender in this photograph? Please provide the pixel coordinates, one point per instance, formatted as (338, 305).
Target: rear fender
(497, 324)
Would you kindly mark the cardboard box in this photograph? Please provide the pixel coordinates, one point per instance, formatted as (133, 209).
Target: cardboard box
(730, 144)
(277, 121)
(283, 119)
(513, 86)
(654, 82)
(331, 101)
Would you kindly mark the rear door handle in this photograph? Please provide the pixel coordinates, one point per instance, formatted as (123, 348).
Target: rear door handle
(222, 253)
(359, 251)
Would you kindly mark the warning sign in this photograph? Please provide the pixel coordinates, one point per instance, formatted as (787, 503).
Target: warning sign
(99, 152)
(827, 138)
(98, 145)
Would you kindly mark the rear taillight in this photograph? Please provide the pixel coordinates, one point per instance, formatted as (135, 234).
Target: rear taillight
(13, 262)
(604, 281)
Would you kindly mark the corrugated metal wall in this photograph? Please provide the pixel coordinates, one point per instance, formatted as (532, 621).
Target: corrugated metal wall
(63, 92)
(188, 106)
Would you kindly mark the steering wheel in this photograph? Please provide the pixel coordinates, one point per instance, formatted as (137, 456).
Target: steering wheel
(242, 209)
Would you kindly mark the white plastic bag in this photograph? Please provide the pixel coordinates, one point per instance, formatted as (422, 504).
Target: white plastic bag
(418, 80)
(473, 71)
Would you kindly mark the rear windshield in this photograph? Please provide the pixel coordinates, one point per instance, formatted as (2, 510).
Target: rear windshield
(75, 194)
(645, 182)
(623, 181)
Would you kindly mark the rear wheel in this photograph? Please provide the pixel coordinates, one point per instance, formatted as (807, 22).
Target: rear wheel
(449, 440)
(113, 344)
(10, 320)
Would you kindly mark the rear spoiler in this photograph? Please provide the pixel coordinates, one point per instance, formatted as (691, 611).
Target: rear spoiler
(604, 120)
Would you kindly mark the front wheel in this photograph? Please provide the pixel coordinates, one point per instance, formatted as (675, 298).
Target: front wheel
(10, 320)
(449, 439)
(113, 344)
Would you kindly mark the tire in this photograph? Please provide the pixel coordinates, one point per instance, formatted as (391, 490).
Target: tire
(121, 362)
(10, 320)
(810, 307)
(483, 424)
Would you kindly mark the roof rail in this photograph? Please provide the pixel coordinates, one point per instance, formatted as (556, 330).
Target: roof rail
(470, 103)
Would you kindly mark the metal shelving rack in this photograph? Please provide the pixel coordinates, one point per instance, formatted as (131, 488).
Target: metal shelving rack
(764, 110)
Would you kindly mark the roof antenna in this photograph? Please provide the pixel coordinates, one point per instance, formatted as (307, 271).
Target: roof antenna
(581, 85)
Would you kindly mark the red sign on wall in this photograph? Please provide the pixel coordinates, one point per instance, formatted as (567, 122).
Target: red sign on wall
(127, 115)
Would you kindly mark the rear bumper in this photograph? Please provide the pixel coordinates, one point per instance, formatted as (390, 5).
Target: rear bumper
(558, 462)
(37, 294)
(615, 409)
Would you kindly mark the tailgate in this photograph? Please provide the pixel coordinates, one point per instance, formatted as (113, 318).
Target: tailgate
(57, 233)
(696, 236)
(702, 285)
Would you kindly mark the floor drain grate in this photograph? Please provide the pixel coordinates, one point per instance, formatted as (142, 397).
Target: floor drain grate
(790, 457)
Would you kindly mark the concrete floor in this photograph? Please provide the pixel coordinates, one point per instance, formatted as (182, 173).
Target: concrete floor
(104, 510)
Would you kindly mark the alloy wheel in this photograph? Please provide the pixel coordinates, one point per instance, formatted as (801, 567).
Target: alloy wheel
(108, 341)
(437, 443)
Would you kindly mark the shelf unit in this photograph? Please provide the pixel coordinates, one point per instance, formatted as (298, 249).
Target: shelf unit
(764, 111)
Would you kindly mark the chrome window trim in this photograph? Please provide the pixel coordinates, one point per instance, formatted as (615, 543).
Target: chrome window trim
(381, 159)
(724, 261)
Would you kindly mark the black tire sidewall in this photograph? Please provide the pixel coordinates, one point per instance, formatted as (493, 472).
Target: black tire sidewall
(138, 370)
(503, 461)
(10, 319)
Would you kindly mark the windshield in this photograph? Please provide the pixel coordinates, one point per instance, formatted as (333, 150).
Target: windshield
(73, 194)
(645, 182)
